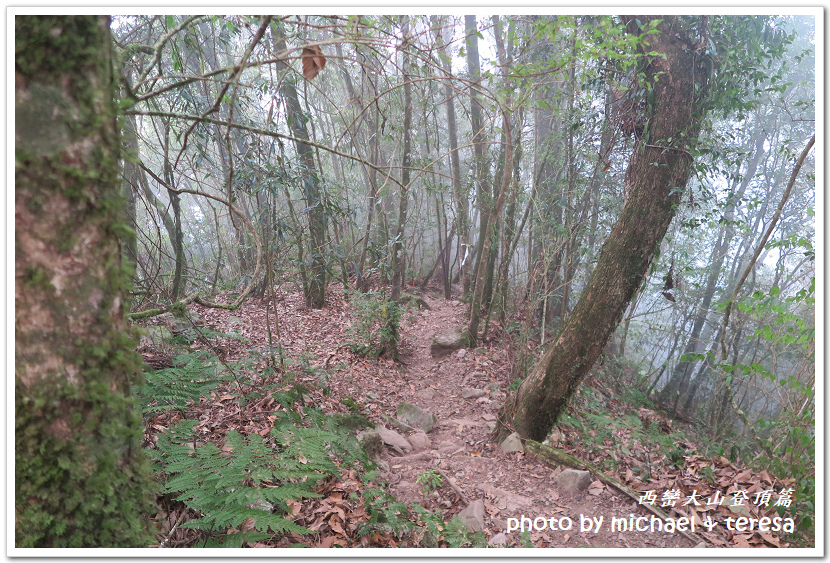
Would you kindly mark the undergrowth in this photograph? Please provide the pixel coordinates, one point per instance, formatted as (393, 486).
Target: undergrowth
(376, 329)
(243, 488)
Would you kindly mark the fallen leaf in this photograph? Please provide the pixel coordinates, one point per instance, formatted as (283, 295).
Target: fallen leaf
(248, 525)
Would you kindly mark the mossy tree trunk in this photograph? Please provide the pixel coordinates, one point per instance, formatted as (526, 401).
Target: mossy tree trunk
(657, 174)
(81, 477)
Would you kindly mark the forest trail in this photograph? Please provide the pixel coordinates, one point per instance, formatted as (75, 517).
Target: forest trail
(454, 468)
(459, 448)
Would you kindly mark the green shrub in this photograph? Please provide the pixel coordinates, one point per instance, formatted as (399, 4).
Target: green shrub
(376, 329)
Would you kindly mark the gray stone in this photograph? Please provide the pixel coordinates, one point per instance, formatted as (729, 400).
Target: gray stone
(416, 416)
(461, 353)
(455, 303)
(420, 441)
(426, 394)
(181, 325)
(465, 422)
(371, 442)
(392, 438)
(448, 340)
(506, 500)
(512, 443)
(156, 336)
(262, 505)
(468, 393)
(572, 481)
(553, 437)
(447, 447)
(498, 539)
(426, 537)
(473, 516)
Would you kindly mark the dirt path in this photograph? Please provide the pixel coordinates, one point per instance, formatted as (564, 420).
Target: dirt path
(511, 485)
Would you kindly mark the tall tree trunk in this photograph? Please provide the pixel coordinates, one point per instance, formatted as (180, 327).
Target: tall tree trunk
(511, 233)
(168, 219)
(81, 476)
(483, 196)
(175, 206)
(397, 247)
(315, 294)
(462, 205)
(653, 195)
(129, 187)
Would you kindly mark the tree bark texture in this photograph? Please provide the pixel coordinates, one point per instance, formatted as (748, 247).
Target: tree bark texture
(81, 477)
(657, 174)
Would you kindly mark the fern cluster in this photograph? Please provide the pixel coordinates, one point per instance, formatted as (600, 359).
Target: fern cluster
(245, 485)
(239, 490)
(174, 388)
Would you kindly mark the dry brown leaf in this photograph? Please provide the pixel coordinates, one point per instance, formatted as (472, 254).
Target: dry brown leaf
(313, 61)
(744, 476)
(770, 539)
(335, 525)
(248, 525)
(326, 541)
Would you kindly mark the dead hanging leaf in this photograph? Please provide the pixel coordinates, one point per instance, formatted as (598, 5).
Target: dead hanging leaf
(669, 277)
(313, 61)
(668, 296)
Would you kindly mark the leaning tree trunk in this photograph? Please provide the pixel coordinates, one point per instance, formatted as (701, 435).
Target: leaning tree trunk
(657, 174)
(81, 476)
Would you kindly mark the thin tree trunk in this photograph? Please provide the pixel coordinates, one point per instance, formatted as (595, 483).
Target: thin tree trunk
(680, 375)
(317, 275)
(397, 247)
(483, 196)
(462, 212)
(478, 288)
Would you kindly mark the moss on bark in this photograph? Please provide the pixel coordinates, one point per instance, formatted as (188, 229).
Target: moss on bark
(81, 477)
